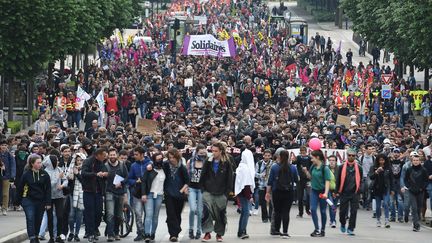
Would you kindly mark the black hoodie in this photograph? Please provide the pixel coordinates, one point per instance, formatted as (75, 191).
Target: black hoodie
(416, 179)
(35, 186)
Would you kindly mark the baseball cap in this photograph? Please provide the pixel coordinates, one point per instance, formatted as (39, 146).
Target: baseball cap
(396, 150)
(414, 153)
(386, 141)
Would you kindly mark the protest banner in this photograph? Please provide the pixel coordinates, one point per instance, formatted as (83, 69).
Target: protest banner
(147, 126)
(208, 45)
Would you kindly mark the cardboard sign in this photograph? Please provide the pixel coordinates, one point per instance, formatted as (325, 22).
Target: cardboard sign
(147, 126)
(343, 120)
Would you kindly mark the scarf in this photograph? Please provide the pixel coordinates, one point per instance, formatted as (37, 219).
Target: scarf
(343, 176)
(245, 173)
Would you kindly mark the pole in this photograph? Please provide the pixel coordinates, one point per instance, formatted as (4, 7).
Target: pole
(426, 79)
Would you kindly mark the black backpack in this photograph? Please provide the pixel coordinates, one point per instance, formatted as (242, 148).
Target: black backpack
(284, 180)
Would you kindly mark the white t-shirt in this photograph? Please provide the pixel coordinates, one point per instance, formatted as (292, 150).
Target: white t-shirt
(157, 186)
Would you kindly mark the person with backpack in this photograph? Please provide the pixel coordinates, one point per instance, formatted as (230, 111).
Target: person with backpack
(175, 188)
(115, 194)
(243, 188)
(195, 166)
(382, 176)
(112, 119)
(348, 184)
(280, 187)
(320, 176)
(416, 179)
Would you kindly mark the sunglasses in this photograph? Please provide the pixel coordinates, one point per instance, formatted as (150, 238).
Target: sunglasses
(351, 155)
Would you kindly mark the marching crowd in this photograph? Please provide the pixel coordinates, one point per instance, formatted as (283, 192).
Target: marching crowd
(227, 136)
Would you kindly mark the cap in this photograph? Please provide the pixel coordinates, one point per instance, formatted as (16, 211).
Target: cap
(314, 135)
(414, 153)
(396, 150)
(386, 141)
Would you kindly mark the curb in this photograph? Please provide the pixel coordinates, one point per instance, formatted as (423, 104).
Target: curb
(15, 237)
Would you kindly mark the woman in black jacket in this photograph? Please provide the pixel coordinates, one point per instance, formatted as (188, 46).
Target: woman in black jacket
(382, 176)
(152, 188)
(175, 188)
(34, 194)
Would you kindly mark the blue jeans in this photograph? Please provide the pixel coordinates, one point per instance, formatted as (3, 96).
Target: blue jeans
(139, 207)
(429, 191)
(332, 210)
(152, 208)
(244, 215)
(44, 224)
(256, 198)
(34, 212)
(114, 212)
(383, 200)
(75, 220)
(93, 205)
(397, 202)
(314, 202)
(196, 208)
(143, 110)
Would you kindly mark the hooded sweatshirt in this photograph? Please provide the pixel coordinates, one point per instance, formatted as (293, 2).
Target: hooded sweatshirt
(54, 173)
(34, 185)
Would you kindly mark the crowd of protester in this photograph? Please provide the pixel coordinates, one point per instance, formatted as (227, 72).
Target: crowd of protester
(227, 136)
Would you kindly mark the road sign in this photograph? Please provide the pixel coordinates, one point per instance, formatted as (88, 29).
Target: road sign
(386, 78)
(386, 92)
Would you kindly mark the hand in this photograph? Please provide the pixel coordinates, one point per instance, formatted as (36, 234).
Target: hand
(139, 180)
(125, 200)
(104, 174)
(13, 185)
(392, 193)
(59, 187)
(267, 197)
(430, 177)
(99, 174)
(144, 198)
(60, 176)
(403, 189)
(47, 207)
(304, 169)
(118, 185)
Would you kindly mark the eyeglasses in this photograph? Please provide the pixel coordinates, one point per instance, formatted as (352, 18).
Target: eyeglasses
(351, 155)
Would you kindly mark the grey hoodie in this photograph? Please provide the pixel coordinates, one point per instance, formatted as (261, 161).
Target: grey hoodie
(54, 176)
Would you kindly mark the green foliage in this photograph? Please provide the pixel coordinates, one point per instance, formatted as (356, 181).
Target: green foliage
(323, 15)
(401, 26)
(15, 126)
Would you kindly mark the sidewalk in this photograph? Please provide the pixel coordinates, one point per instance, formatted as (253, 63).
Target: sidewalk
(13, 227)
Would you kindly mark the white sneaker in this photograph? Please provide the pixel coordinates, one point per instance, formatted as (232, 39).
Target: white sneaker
(255, 212)
(63, 237)
(4, 211)
(378, 223)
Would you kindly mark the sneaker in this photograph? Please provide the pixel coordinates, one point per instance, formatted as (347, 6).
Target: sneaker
(285, 236)
(90, 239)
(70, 237)
(59, 239)
(139, 237)
(244, 236)
(110, 239)
(322, 233)
(97, 233)
(333, 225)
(400, 220)
(374, 216)
(350, 232)
(219, 238)
(255, 212)
(191, 234)
(299, 216)
(173, 239)
(41, 237)
(198, 235)
(206, 237)
(387, 224)
(275, 233)
(343, 228)
(76, 238)
(316, 233)
(378, 223)
(152, 237)
(4, 211)
(308, 213)
(416, 228)
(51, 240)
(117, 237)
(406, 218)
(392, 220)
(265, 221)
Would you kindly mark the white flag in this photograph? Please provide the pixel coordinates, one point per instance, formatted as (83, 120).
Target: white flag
(82, 97)
(101, 102)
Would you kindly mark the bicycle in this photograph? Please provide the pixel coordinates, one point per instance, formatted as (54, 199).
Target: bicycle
(128, 219)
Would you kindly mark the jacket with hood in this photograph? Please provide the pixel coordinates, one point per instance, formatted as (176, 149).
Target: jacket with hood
(137, 171)
(51, 167)
(35, 186)
(9, 163)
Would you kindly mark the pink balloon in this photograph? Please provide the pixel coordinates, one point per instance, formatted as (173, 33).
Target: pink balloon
(315, 144)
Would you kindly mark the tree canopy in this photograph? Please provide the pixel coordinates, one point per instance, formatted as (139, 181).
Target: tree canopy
(401, 26)
(35, 32)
